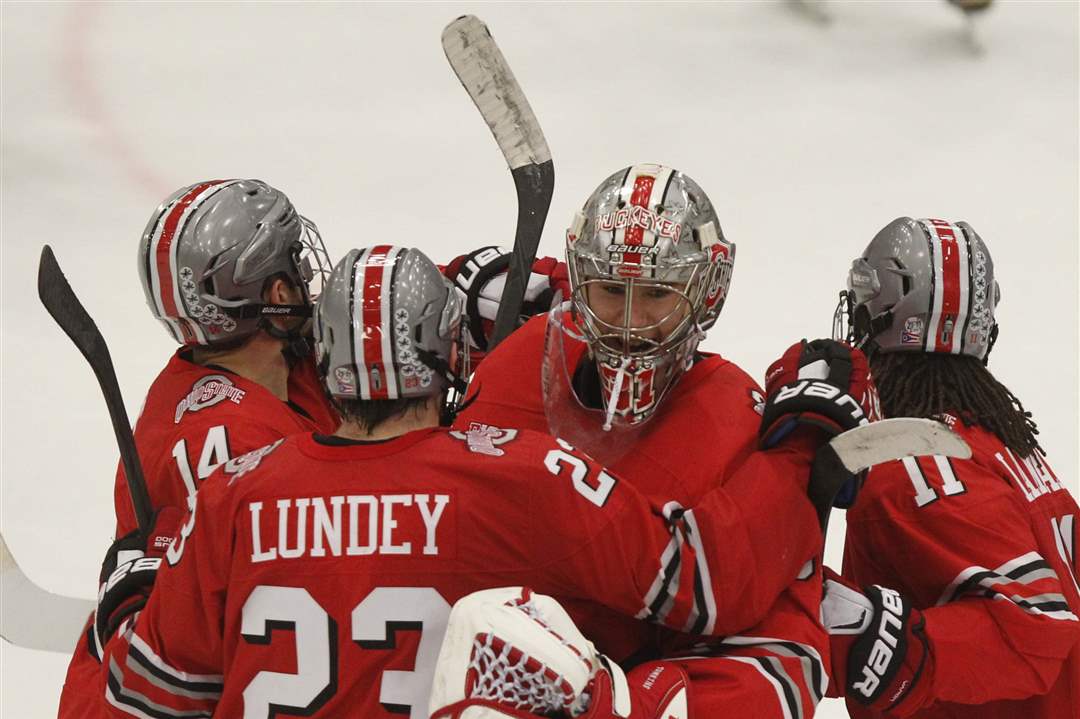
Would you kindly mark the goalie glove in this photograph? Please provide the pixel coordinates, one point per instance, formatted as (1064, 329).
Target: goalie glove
(881, 656)
(481, 275)
(511, 653)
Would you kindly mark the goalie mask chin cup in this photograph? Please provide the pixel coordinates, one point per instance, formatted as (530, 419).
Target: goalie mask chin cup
(209, 250)
(649, 272)
(921, 286)
(388, 326)
(568, 417)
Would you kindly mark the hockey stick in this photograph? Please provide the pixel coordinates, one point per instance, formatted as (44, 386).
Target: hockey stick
(487, 78)
(33, 617)
(887, 440)
(60, 300)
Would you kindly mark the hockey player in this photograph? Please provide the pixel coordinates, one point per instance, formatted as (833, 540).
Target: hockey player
(225, 266)
(617, 372)
(968, 568)
(314, 576)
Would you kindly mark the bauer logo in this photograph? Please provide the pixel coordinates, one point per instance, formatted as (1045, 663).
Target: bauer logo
(207, 392)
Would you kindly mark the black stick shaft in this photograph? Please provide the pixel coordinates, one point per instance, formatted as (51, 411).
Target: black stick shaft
(535, 184)
(64, 306)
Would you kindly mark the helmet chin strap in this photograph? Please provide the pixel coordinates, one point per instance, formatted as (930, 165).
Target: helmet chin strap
(297, 345)
(448, 408)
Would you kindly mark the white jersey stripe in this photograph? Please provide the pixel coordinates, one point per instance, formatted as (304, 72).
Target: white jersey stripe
(702, 565)
(1063, 539)
(153, 658)
(781, 647)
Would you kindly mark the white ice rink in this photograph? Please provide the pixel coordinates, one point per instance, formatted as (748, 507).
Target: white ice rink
(807, 137)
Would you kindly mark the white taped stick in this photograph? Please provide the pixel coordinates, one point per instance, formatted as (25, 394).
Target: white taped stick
(487, 78)
(33, 617)
(891, 439)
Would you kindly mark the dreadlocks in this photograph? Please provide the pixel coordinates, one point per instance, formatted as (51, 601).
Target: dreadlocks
(917, 384)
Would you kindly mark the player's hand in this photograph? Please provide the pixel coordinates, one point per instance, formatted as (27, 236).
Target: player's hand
(823, 383)
(881, 656)
(481, 275)
(129, 570)
(512, 653)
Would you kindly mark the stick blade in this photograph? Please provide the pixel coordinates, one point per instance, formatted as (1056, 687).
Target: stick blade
(892, 439)
(33, 617)
(61, 302)
(483, 71)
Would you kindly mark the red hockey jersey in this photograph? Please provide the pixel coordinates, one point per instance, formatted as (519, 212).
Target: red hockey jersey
(986, 548)
(195, 418)
(314, 576)
(702, 437)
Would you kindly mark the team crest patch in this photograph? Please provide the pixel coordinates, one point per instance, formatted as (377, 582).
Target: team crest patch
(208, 391)
(484, 438)
(913, 331)
(239, 466)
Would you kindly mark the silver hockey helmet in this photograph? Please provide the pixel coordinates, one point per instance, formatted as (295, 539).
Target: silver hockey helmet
(921, 286)
(649, 271)
(387, 325)
(208, 251)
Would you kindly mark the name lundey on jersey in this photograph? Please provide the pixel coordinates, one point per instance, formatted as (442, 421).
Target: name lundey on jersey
(349, 525)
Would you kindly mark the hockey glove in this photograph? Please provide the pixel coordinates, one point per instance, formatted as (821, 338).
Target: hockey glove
(481, 275)
(130, 568)
(881, 656)
(511, 653)
(822, 383)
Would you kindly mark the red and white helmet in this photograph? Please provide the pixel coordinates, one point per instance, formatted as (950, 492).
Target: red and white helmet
(646, 228)
(921, 286)
(208, 250)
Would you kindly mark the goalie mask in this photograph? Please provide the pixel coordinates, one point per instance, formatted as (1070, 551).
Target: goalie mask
(649, 270)
(387, 326)
(208, 252)
(921, 286)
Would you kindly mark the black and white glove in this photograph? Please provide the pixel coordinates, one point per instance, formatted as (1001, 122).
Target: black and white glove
(511, 654)
(824, 383)
(129, 571)
(481, 275)
(881, 656)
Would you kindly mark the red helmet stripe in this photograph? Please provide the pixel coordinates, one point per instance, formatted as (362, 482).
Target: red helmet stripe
(639, 197)
(164, 259)
(374, 317)
(950, 286)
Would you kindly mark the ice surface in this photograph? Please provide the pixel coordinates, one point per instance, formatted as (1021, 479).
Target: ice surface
(808, 138)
